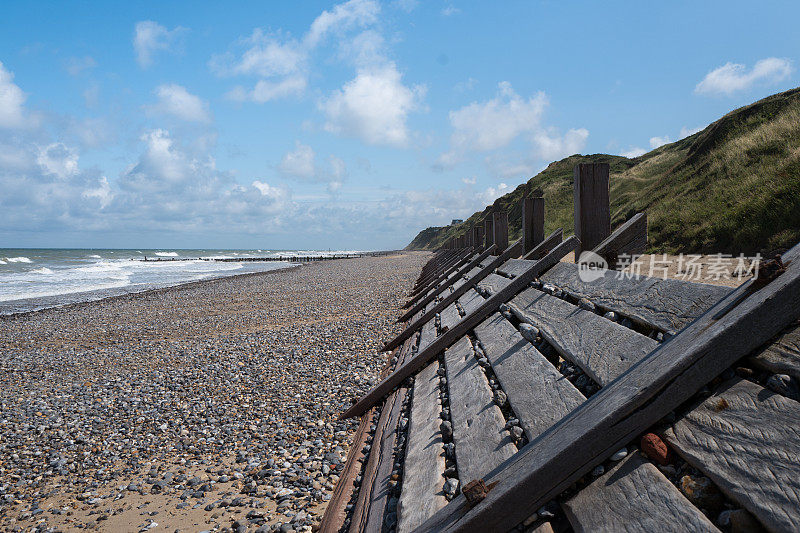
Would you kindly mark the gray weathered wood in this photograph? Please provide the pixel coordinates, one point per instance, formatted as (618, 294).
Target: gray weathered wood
(450, 316)
(471, 301)
(747, 440)
(602, 348)
(422, 491)
(664, 304)
(532, 222)
(539, 395)
(500, 225)
(513, 267)
(511, 251)
(783, 355)
(488, 232)
(630, 238)
(453, 334)
(494, 283)
(633, 496)
(481, 440)
(427, 299)
(618, 413)
(592, 207)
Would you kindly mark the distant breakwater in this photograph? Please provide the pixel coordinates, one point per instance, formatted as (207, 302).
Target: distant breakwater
(286, 258)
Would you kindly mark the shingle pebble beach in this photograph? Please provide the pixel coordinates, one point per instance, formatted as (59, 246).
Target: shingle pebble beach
(204, 407)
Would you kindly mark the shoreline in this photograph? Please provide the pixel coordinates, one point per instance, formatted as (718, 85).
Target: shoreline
(68, 305)
(196, 406)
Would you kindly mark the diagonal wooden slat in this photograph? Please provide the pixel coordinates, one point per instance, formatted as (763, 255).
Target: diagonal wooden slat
(454, 333)
(660, 382)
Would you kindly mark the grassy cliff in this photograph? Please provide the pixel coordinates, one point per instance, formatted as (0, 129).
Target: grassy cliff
(733, 187)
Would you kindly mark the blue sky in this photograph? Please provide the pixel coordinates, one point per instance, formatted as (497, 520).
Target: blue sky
(343, 125)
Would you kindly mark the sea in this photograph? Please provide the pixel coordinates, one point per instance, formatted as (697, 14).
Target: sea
(33, 279)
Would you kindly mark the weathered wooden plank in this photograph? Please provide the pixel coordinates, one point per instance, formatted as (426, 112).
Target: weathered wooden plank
(500, 229)
(453, 334)
(441, 273)
(614, 416)
(494, 283)
(602, 348)
(481, 440)
(539, 395)
(513, 267)
(474, 272)
(449, 317)
(532, 222)
(664, 304)
(428, 335)
(415, 307)
(630, 238)
(633, 496)
(592, 208)
(511, 251)
(422, 492)
(471, 301)
(783, 355)
(747, 440)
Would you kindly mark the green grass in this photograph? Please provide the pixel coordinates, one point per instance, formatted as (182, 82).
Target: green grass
(733, 187)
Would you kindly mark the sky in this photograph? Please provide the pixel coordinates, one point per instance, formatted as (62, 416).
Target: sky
(348, 125)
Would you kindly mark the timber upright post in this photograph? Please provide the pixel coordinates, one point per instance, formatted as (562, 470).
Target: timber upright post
(592, 209)
(488, 232)
(477, 236)
(532, 221)
(500, 223)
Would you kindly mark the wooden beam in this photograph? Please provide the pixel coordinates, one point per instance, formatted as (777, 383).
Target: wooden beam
(488, 231)
(512, 251)
(467, 323)
(541, 249)
(630, 238)
(631, 404)
(500, 225)
(532, 222)
(449, 282)
(592, 209)
(477, 236)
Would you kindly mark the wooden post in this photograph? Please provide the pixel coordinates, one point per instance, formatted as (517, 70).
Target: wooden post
(592, 209)
(488, 232)
(470, 235)
(500, 223)
(478, 236)
(532, 221)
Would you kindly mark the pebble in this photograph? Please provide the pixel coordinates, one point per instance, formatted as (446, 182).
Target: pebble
(785, 385)
(529, 332)
(655, 448)
(217, 387)
(619, 455)
(702, 492)
(598, 471)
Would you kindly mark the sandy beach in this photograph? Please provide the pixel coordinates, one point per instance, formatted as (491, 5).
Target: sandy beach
(200, 407)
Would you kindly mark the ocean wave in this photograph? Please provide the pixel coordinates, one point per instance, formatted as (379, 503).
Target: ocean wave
(167, 254)
(95, 257)
(18, 260)
(3, 262)
(43, 270)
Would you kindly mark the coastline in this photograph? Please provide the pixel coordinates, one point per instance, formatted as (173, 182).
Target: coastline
(195, 405)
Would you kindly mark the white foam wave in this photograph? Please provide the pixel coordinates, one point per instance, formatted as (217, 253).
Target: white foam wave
(18, 260)
(3, 262)
(43, 270)
(95, 257)
(167, 254)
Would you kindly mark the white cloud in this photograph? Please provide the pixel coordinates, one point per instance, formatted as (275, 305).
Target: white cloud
(343, 17)
(12, 100)
(58, 160)
(374, 107)
(496, 123)
(102, 193)
(264, 91)
(405, 5)
(553, 147)
(733, 77)
(685, 132)
(493, 193)
(655, 142)
(633, 151)
(150, 37)
(470, 181)
(450, 10)
(175, 100)
(76, 65)
(300, 162)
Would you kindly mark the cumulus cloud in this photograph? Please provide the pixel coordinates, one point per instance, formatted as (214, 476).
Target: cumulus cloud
(373, 107)
(685, 132)
(12, 100)
(300, 162)
(176, 101)
(150, 37)
(656, 142)
(552, 147)
(58, 160)
(633, 151)
(733, 77)
(281, 62)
